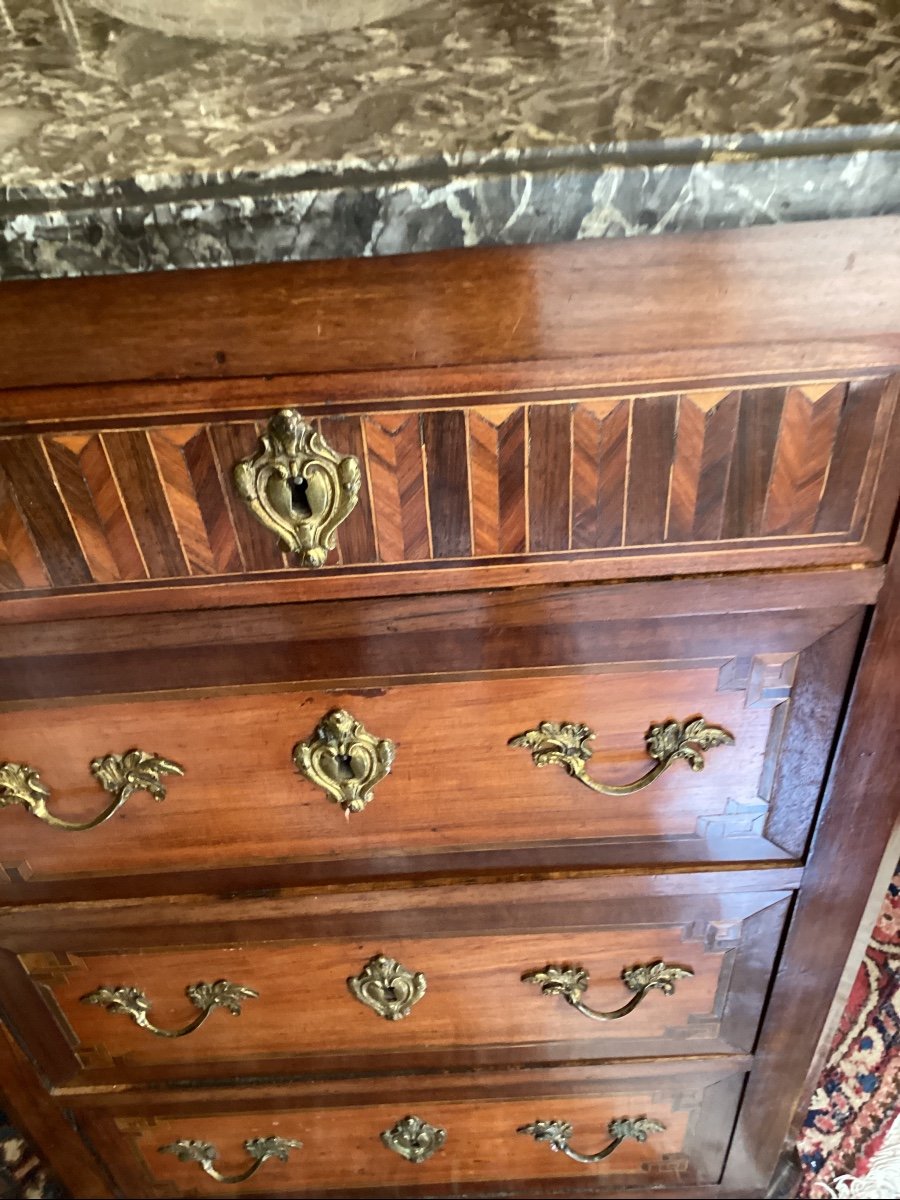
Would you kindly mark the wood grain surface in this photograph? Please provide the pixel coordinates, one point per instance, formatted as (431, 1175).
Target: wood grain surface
(476, 1008)
(343, 1155)
(634, 484)
(800, 294)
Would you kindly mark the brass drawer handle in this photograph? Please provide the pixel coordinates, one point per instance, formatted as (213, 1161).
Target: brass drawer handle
(387, 987)
(414, 1139)
(298, 487)
(345, 760)
(557, 1133)
(572, 982)
(567, 744)
(205, 996)
(119, 774)
(205, 1153)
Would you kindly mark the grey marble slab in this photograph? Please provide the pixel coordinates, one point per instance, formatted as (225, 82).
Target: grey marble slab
(126, 148)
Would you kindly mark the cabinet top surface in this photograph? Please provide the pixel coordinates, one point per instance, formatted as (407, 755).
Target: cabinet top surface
(224, 131)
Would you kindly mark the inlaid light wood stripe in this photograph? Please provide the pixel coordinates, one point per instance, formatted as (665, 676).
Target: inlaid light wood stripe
(599, 456)
(258, 546)
(852, 444)
(168, 447)
(64, 455)
(110, 509)
(650, 468)
(137, 473)
(20, 563)
(806, 437)
(28, 470)
(209, 491)
(396, 471)
(497, 469)
(356, 536)
(715, 467)
(759, 418)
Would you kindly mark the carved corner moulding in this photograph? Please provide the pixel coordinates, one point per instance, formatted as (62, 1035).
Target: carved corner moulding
(119, 774)
(572, 982)
(133, 1003)
(387, 987)
(298, 487)
(345, 760)
(556, 1135)
(566, 744)
(414, 1139)
(205, 1154)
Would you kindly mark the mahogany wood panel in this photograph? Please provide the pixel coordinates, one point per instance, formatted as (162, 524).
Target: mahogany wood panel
(24, 1101)
(458, 795)
(769, 298)
(340, 1127)
(854, 847)
(476, 1009)
(635, 481)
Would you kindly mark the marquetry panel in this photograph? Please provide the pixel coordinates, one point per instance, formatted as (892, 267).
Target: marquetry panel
(779, 471)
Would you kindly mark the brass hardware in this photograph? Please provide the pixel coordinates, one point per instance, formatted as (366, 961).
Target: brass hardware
(345, 760)
(572, 982)
(206, 1154)
(388, 987)
(557, 1134)
(120, 774)
(205, 996)
(414, 1139)
(298, 487)
(567, 744)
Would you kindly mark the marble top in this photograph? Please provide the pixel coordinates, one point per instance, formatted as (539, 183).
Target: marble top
(117, 115)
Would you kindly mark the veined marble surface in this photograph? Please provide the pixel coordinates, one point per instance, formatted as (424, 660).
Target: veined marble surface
(126, 148)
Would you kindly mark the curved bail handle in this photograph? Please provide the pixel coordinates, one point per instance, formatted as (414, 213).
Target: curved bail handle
(557, 1133)
(566, 744)
(572, 982)
(205, 1154)
(134, 1003)
(119, 774)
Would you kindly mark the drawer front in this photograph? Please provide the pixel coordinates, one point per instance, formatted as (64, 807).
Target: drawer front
(343, 1130)
(458, 985)
(568, 484)
(456, 792)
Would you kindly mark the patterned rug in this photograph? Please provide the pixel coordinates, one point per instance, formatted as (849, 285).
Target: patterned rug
(849, 1145)
(22, 1174)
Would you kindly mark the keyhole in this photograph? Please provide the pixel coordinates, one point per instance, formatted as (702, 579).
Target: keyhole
(299, 499)
(345, 769)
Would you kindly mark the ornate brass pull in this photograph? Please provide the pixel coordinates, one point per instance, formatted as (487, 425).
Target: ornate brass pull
(387, 987)
(120, 774)
(205, 996)
(557, 1133)
(206, 1154)
(298, 487)
(567, 744)
(345, 760)
(571, 983)
(414, 1139)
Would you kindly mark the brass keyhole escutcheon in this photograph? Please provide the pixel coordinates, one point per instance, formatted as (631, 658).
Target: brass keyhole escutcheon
(345, 760)
(298, 487)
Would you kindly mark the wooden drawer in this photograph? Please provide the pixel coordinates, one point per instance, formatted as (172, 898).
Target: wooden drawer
(458, 795)
(462, 953)
(340, 1126)
(562, 483)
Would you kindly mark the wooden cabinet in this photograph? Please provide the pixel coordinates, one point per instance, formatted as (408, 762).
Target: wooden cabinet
(551, 795)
